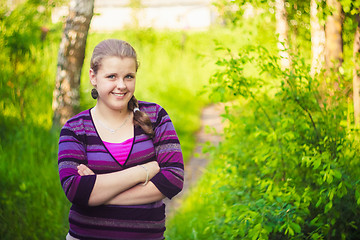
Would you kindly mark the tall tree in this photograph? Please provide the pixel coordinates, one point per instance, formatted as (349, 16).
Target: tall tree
(317, 39)
(333, 32)
(282, 29)
(66, 96)
(356, 73)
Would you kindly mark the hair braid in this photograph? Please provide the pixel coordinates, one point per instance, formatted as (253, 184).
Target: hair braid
(140, 118)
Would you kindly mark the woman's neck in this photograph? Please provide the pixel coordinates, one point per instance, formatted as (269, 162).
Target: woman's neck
(113, 126)
(109, 116)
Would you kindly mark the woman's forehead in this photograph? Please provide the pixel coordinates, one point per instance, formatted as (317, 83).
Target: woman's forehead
(119, 63)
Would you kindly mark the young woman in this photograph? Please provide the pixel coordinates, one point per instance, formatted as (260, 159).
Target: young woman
(119, 159)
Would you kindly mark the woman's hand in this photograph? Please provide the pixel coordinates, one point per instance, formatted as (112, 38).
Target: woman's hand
(84, 170)
(152, 167)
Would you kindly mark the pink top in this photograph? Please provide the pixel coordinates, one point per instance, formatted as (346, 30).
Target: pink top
(120, 151)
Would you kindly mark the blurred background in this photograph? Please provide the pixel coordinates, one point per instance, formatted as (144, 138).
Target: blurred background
(113, 15)
(288, 71)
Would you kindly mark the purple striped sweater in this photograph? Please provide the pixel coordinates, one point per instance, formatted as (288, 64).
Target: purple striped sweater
(80, 143)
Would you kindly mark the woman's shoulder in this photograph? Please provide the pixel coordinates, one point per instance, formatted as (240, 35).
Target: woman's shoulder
(78, 120)
(153, 110)
(145, 105)
(149, 107)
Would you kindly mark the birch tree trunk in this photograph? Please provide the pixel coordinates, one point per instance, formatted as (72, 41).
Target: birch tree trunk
(66, 95)
(282, 29)
(333, 33)
(317, 40)
(356, 73)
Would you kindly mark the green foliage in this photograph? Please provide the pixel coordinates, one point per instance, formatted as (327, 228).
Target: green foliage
(350, 6)
(31, 201)
(299, 22)
(22, 43)
(231, 11)
(288, 168)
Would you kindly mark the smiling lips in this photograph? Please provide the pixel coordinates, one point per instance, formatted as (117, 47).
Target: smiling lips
(119, 94)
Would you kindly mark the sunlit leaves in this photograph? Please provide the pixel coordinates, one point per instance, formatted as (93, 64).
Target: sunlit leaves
(295, 159)
(21, 47)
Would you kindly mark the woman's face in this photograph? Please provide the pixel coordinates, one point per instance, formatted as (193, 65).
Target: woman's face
(115, 82)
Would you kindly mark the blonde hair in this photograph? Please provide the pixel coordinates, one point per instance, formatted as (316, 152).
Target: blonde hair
(121, 49)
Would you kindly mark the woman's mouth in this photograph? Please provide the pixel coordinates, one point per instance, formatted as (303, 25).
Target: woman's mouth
(119, 94)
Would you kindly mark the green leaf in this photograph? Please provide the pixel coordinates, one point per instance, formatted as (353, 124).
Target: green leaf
(337, 174)
(333, 221)
(331, 194)
(23, 187)
(318, 202)
(316, 236)
(296, 227)
(268, 228)
(289, 231)
(317, 163)
(313, 222)
(329, 178)
(328, 206)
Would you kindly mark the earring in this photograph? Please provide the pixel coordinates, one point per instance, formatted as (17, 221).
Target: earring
(94, 93)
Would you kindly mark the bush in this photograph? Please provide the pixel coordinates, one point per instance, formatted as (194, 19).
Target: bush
(288, 167)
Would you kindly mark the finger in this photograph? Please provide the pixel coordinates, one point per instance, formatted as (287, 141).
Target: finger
(80, 172)
(88, 171)
(84, 170)
(82, 167)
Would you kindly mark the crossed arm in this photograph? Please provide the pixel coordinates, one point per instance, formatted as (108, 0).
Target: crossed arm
(124, 187)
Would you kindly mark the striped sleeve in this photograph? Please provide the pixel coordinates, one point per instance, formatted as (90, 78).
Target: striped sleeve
(72, 153)
(169, 156)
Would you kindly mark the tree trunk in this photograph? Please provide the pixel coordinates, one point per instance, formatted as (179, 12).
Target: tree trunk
(317, 40)
(333, 32)
(282, 29)
(356, 74)
(66, 96)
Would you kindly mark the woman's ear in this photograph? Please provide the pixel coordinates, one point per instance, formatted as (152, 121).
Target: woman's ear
(92, 76)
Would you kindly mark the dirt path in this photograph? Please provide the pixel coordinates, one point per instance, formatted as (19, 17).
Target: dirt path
(196, 165)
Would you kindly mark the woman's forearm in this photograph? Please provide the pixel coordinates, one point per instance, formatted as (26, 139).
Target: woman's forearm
(138, 194)
(107, 186)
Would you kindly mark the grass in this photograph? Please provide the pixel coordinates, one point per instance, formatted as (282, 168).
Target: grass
(32, 203)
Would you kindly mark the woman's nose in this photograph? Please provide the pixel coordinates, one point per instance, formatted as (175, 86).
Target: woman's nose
(120, 83)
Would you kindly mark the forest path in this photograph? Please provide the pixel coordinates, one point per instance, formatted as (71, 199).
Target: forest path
(194, 168)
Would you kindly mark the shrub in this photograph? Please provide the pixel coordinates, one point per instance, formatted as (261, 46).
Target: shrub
(288, 167)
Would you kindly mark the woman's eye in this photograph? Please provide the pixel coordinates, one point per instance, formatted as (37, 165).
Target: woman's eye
(111, 76)
(129, 76)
